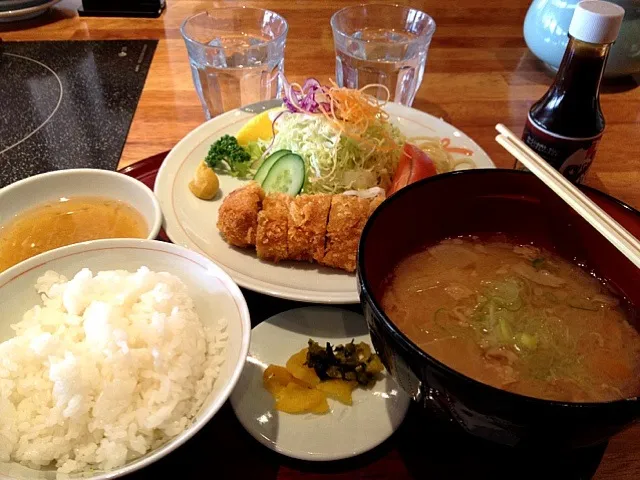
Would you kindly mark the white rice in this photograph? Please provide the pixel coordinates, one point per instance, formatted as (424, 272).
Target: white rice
(107, 368)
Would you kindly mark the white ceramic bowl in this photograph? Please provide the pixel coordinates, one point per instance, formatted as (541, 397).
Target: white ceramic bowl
(46, 187)
(213, 291)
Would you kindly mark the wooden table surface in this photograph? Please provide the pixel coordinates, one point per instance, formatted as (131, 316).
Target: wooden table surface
(479, 72)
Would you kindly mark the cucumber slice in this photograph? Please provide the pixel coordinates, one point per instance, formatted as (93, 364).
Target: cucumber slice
(286, 175)
(267, 163)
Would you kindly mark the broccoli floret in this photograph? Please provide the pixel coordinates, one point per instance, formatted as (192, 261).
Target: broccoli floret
(225, 154)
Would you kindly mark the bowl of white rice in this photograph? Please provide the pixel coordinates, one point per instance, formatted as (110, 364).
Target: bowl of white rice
(113, 353)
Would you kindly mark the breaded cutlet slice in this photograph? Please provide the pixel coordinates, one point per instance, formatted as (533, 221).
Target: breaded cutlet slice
(271, 240)
(308, 216)
(238, 215)
(347, 217)
(375, 203)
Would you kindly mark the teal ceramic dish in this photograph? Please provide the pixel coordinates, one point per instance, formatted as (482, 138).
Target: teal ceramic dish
(547, 24)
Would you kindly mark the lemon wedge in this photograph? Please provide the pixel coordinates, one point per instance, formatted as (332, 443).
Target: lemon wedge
(259, 127)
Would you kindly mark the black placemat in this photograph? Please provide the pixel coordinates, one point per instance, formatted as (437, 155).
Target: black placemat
(67, 104)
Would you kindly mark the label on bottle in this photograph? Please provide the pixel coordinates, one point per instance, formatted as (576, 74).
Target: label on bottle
(571, 156)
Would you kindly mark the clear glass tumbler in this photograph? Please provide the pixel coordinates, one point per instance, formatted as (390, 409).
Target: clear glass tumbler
(383, 44)
(236, 55)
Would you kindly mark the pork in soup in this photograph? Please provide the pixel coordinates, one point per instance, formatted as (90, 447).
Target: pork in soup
(518, 318)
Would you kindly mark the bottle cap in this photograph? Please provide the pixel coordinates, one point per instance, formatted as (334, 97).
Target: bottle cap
(596, 21)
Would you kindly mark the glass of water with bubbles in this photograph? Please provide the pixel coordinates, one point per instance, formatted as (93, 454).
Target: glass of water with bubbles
(236, 56)
(382, 44)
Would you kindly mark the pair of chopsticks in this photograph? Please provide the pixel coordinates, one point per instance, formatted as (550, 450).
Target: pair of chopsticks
(615, 233)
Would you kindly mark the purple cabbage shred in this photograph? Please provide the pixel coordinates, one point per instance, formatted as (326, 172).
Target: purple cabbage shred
(304, 100)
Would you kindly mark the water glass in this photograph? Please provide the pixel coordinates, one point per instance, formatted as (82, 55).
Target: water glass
(382, 44)
(236, 56)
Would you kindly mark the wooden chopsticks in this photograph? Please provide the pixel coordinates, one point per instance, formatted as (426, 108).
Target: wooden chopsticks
(615, 233)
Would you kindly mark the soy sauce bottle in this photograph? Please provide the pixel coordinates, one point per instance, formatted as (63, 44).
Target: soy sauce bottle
(566, 124)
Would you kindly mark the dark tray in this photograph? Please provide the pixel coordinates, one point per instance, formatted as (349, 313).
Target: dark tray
(424, 447)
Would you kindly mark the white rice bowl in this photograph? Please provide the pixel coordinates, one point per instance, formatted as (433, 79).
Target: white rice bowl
(112, 371)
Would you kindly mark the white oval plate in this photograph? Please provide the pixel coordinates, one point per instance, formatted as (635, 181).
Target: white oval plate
(191, 222)
(345, 431)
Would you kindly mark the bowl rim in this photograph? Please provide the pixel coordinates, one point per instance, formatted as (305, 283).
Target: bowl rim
(154, 222)
(367, 294)
(163, 248)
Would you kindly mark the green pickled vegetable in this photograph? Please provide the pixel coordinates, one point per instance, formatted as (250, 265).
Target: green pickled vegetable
(347, 362)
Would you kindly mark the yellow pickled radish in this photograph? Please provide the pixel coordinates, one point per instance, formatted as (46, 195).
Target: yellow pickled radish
(339, 390)
(297, 368)
(295, 398)
(275, 379)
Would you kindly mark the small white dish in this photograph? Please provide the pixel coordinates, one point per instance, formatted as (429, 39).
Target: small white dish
(215, 295)
(191, 222)
(345, 431)
(46, 187)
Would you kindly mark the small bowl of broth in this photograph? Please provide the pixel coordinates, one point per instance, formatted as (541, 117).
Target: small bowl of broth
(495, 305)
(60, 208)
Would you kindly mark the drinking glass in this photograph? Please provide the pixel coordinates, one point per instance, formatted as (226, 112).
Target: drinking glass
(382, 44)
(236, 56)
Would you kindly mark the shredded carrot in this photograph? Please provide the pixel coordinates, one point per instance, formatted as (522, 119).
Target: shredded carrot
(353, 111)
(446, 142)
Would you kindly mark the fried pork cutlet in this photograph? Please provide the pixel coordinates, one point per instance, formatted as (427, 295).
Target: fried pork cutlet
(238, 215)
(307, 227)
(375, 203)
(347, 217)
(271, 239)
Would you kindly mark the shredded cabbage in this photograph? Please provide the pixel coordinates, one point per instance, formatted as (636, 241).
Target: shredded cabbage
(255, 151)
(334, 162)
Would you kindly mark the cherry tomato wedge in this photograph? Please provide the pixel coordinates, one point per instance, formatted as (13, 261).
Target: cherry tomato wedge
(414, 165)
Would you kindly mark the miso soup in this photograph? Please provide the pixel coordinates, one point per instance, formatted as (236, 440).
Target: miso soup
(66, 221)
(518, 318)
